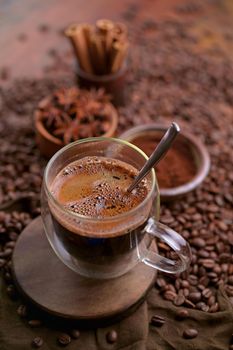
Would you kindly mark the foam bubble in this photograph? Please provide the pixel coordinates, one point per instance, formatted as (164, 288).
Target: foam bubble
(96, 186)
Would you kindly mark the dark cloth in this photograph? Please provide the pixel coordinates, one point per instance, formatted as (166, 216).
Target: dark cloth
(134, 332)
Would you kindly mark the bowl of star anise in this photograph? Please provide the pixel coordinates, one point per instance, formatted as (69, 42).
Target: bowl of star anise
(70, 114)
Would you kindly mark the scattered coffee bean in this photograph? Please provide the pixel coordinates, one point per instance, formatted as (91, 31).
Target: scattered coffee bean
(182, 314)
(189, 304)
(160, 282)
(206, 293)
(195, 297)
(6, 253)
(190, 333)
(37, 342)
(205, 215)
(64, 339)
(75, 333)
(179, 300)
(214, 307)
(169, 295)
(157, 321)
(10, 244)
(111, 336)
(34, 323)
(22, 311)
(198, 242)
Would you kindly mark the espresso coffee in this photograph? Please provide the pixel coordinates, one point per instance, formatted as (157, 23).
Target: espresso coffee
(94, 189)
(97, 187)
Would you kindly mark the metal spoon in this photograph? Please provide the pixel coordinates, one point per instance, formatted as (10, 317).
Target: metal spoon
(158, 154)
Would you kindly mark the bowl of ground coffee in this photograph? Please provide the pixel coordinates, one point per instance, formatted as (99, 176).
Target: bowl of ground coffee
(185, 165)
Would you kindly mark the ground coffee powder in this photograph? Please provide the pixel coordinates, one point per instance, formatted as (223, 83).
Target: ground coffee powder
(176, 168)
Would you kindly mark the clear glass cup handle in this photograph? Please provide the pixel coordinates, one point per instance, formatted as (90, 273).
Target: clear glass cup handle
(173, 240)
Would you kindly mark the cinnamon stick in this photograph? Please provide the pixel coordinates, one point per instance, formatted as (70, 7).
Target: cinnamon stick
(100, 49)
(77, 37)
(98, 54)
(119, 52)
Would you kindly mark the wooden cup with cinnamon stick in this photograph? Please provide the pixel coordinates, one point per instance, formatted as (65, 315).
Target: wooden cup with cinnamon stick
(99, 49)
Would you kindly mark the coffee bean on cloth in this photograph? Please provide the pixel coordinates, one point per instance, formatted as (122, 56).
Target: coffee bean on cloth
(214, 329)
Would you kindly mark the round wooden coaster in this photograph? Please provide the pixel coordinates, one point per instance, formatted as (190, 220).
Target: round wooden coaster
(52, 286)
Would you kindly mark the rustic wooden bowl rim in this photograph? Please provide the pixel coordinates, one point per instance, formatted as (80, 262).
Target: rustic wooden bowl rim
(113, 117)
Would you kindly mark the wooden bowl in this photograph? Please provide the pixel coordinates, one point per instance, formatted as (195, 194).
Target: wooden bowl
(49, 144)
(113, 83)
(197, 150)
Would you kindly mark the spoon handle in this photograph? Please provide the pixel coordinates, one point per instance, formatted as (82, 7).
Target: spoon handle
(158, 153)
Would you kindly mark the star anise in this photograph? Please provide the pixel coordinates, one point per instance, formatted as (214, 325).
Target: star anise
(74, 113)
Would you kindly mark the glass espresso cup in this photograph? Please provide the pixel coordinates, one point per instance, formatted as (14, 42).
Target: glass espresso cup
(107, 247)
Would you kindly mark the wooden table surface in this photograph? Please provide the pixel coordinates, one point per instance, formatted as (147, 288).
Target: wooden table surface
(24, 45)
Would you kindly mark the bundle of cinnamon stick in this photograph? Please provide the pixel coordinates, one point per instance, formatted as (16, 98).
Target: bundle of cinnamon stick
(101, 48)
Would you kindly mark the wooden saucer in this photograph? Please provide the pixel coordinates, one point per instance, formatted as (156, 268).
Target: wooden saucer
(53, 287)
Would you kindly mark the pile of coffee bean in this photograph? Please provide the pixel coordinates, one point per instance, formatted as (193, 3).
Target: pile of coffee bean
(175, 82)
(171, 78)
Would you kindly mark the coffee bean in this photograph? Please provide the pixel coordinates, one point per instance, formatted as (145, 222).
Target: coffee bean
(214, 307)
(37, 342)
(112, 336)
(177, 284)
(185, 284)
(63, 339)
(157, 321)
(190, 333)
(195, 297)
(193, 280)
(13, 236)
(211, 300)
(204, 280)
(203, 253)
(34, 323)
(75, 333)
(22, 311)
(167, 220)
(10, 244)
(179, 300)
(225, 258)
(206, 293)
(201, 287)
(202, 306)
(182, 314)
(186, 292)
(169, 295)
(198, 242)
(188, 303)
(160, 282)
(205, 214)
(6, 253)
(207, 263)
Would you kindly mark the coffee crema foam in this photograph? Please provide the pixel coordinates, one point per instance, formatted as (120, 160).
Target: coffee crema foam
(97, 187)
